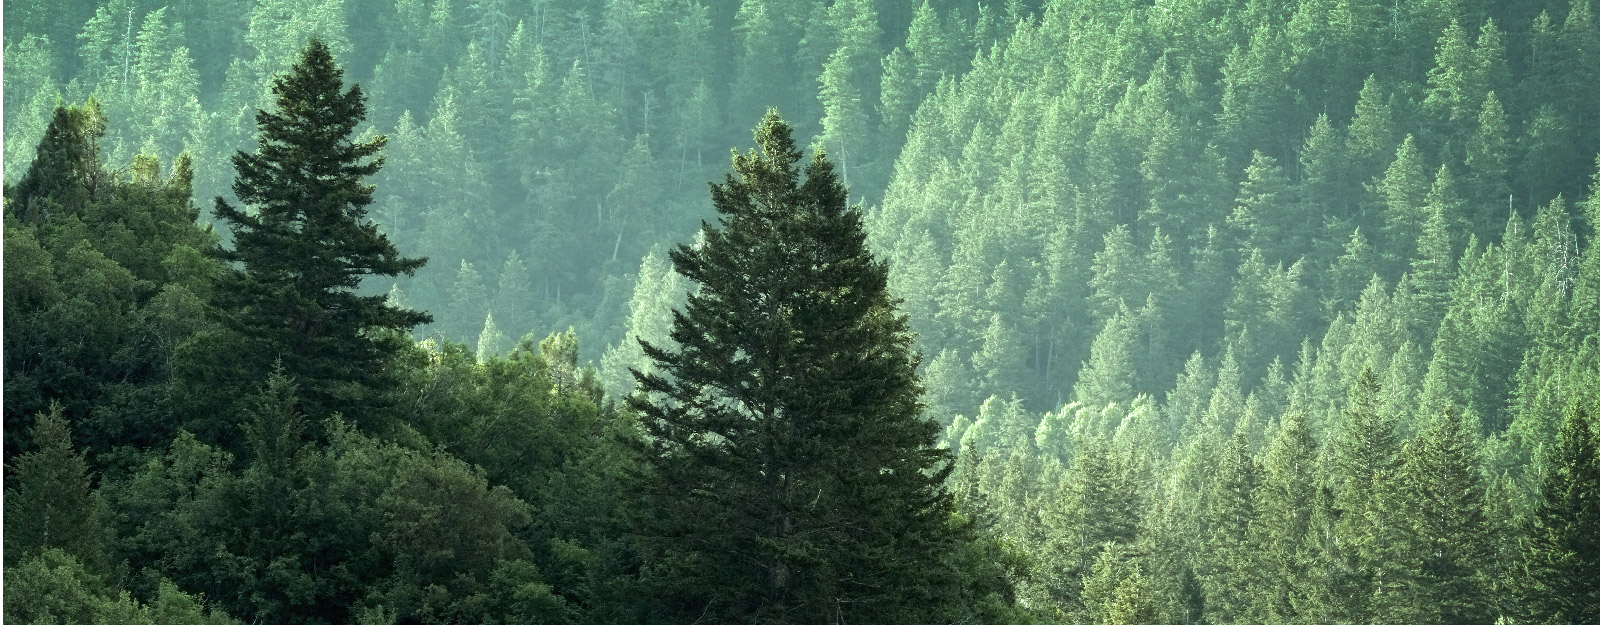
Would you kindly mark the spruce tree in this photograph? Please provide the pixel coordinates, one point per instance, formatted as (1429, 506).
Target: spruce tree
(1232, 573)
(793, 475)
(1442, 542)
(1285, 500)
(303, 243)
(1561, 583)
(51, 504)
(66, 173)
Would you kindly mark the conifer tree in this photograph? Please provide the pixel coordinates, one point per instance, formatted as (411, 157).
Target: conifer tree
(66, 172)
(1433, 267)
(1365, 455)
(1401, 193)
(1561, 583)
(1095, 506)
(1108, 375)
(1488, 154)
(51, 506)
(1262, 216)
(1441, 544)
(1454, 87)
(1370, 139)
(302, 244)
(1232, 574)
(795, 477)
(1285, 501)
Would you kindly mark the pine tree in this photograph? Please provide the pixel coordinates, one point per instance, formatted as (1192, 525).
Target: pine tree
(1365, 455)
(1487, 183)
(51, 505)
(1232, 574)
(898, 96)
(1433, 267)
(1108, 375)
(1285, 501)
(1096, 506)
(793, 471)
(1401, 193)
(1442, 542)
(468, 298)
(513, 297)
(846, 126)
(303, 243)
(491, 341)
(66, 173)
(1262, 215)
(931, 50)
(1454, 89)
(999, 362)
(1561, 583)
(1370, 140)
(1350, 273)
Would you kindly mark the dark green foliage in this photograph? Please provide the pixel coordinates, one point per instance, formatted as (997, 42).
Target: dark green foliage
(66, 173)
(52, 506)
(1438, 557)
(1364, 224)
(793, 475)
(312, 534)
(1559, 583)
(304, 245)
(105, 281)
(1285, 500)
(1097, 506)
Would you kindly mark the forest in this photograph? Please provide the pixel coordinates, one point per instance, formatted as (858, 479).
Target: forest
(1078, 312)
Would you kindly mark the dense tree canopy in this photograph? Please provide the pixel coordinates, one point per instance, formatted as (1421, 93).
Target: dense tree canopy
(1229, 311)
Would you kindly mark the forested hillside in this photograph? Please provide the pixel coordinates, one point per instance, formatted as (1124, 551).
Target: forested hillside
(537, 149)
(1229, 311)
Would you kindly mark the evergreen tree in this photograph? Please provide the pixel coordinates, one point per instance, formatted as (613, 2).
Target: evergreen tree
(1442, 543)
(1487, 183)
(846, 127)
(1232, 574)
(468, 298)
(1285, 502)
(1561, 583)
(1262, 215)
(1096, 505)
(1365, 456)
(66, 173)
(1455, 87)
(1400, 194)
(795, 478)
(1108, 375)
(1370, 139)
(51, 506)
(491, 341)
(303, 243)
(898, 96)
(1433, 267)
(513, 297)
(999, 362)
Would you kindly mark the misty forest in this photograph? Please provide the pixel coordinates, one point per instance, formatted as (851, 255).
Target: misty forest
(1079, 312)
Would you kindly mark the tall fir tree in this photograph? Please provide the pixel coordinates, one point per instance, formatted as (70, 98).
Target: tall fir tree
(794, 475)
(1233, 572)
(51, 504)
(302, 243)
(1285, 500)
(1441, 544)
(1561, 581)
